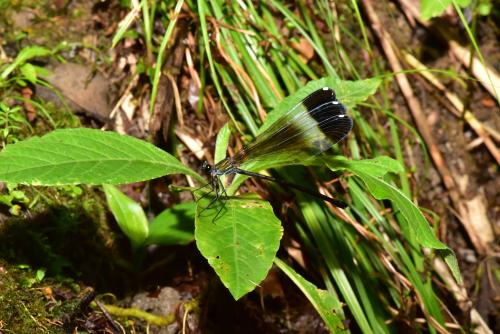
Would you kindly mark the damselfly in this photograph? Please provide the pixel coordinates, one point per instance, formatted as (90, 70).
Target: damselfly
(311, 127)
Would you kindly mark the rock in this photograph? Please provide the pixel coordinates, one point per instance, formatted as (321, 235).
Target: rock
(85, 91)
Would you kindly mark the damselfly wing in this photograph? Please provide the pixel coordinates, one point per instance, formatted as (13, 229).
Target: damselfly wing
(311, 127)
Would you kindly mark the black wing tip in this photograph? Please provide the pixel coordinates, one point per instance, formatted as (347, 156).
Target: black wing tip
(329, 114)
(319, 97)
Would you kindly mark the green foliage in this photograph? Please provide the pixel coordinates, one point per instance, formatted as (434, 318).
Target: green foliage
(484, 7)
(328, 305)
(433, 8)
(174, 226)
(21, 59)
(13, 198)
(124, 24)
(372, 172)
(129, 215)
(72, 156)
(27, 281)
(240, 243)
(239, 236)
(17, 74)
(221, 143)
(349, 92)
(11, 121)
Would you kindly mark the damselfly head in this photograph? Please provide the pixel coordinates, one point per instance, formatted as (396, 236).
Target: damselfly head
(205, 166)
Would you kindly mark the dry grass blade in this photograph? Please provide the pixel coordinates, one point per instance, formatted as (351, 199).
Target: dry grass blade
(195, 145)
(469, 117)
(424, 128)
(246, 79)
(460, 295)
(484, 72)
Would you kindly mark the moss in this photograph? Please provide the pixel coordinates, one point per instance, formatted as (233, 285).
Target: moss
(22, 310)
(68, 235)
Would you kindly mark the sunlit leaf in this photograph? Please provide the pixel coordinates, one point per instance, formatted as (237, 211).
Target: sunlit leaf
(73, 156)
(434, 8)
(25, 54)
(29, 72)
(221, 143)
(241, 243)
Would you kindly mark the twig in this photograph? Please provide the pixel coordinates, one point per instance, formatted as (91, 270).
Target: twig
(125, 95)
(460, 294)
(107, 316)
(177, 100)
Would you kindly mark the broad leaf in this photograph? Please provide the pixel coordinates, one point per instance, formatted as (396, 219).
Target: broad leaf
(29, 72)
(128, 214)
(240, 243)
(72, 156)
(174, 226)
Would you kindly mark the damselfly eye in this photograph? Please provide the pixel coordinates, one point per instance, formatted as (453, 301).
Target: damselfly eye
(206, 166)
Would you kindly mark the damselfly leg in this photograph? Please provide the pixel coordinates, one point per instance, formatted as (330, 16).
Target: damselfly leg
(217, 188)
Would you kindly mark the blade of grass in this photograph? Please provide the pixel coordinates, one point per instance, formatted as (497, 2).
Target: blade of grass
(202, 12)
(293, 20)
(161, 53)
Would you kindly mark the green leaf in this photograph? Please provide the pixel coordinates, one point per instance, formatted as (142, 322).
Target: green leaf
(484, 8)
(174, 226)
(371, 171)
(128, 214)
(434, 8)
(41, 71)
(328, 307)
(29, 72)
(377, 167)
(124, 24)
(241, 243)
(221, 143)
(23, 56)
(73, 156)
(40, 274)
